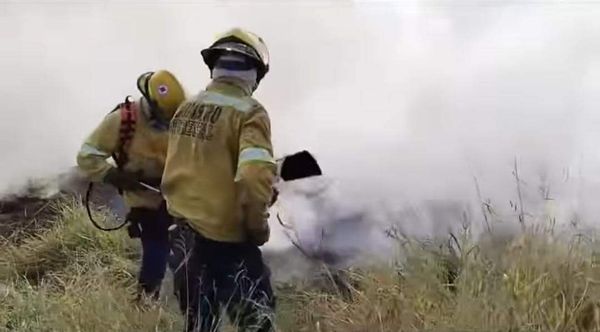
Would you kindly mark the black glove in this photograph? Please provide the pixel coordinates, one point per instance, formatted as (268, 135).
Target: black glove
(259, 237)
(133, 229)
(122, 179)
(257, 223)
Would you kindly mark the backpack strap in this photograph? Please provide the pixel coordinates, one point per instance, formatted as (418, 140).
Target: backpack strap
(128, 112)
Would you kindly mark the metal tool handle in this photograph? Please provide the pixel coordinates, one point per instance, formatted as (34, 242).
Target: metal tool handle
(149, 187)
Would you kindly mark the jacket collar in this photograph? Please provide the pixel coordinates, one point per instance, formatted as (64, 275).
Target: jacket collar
(230, 86)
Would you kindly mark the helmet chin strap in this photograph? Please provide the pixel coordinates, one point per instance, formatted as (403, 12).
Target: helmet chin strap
(158, 121)
(155, 116)
(153, 111)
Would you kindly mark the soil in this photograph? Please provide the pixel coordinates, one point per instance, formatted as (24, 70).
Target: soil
(24, 215)
(34, 207)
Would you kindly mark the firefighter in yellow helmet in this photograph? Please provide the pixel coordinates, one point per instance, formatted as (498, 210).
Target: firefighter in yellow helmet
(135, 135)
(217, 183)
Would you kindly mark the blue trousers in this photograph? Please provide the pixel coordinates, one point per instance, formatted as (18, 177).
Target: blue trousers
(152, 226)
(210, 275)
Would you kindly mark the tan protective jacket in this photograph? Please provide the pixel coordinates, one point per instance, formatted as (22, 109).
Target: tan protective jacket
(220, 170)
(146, 154)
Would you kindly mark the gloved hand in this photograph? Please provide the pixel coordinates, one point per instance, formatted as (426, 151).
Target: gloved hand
(259, 237)
(133, 229)
(257, 225)
(122, 179)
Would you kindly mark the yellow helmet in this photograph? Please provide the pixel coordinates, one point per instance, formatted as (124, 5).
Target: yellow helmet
(163, 92)
(241, 42)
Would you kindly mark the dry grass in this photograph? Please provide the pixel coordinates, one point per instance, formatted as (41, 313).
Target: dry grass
(74, 278)
(533, 283)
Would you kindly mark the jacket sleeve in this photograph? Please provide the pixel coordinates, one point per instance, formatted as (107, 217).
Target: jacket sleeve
(256, 173)
(98, 147)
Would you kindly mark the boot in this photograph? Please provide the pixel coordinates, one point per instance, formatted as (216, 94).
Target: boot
(146, 295)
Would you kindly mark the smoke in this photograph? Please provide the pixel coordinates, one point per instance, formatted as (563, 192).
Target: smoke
(402, 102)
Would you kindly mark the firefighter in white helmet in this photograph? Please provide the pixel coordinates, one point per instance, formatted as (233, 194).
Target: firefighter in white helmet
(217, 183)
(135, 135)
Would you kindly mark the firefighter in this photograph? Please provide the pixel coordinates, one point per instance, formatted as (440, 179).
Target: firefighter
(217, 183)
(135, 135)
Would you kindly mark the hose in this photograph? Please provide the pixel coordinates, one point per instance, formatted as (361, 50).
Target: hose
(88, 193)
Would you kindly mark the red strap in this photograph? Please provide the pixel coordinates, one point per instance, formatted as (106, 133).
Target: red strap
(128, 122)
(128, 111)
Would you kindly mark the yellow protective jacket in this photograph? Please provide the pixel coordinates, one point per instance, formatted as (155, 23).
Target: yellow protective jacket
(146, 153)
(220, 170)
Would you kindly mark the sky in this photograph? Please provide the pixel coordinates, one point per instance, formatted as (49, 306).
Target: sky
(401, 101)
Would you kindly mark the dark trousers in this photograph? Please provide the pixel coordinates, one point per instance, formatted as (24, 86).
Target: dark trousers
(151, 226)
(211, 275)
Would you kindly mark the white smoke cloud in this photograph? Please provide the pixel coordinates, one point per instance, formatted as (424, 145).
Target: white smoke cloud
(402, 101)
